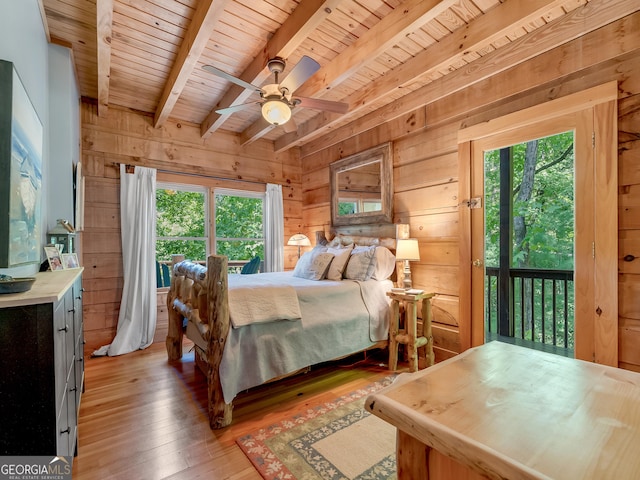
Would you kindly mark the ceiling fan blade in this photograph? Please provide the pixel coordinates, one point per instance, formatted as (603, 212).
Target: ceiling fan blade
(319, 104)
(306, 67)
(231, 78)
(290, 126)
(236, 108)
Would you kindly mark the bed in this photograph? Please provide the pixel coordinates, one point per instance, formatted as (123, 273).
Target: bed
(251, 329)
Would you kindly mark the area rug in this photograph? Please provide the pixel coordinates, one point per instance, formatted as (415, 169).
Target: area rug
(338, 440)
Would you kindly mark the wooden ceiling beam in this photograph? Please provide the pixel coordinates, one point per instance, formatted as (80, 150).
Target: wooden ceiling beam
(104, 22)
(404, 19)
(206, 16)
(580, 22)
(256, 130)
(495, 24)
(300, 24)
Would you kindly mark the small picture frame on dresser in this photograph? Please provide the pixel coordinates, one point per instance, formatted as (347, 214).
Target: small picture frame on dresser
(70, 260)
(54, 257)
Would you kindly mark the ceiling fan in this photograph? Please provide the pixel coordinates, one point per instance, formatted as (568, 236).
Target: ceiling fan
(277, 99)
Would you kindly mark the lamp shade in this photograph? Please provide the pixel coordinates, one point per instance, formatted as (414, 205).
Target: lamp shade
(299, 239)
(407, 249)
(276, 112)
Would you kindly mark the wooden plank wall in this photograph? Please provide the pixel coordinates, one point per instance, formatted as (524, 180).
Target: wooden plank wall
(425, 175)
(128, 137)
(426, 167)
(629, 225)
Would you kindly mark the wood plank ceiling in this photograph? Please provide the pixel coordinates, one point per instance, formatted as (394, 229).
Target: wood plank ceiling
(376, 55)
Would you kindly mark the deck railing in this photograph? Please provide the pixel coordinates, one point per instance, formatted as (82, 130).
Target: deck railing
(234, 266)
(541, 307)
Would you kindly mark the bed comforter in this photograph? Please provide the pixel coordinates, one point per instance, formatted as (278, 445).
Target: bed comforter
(338, 318)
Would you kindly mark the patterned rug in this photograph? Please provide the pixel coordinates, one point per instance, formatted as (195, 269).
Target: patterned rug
(339, 440)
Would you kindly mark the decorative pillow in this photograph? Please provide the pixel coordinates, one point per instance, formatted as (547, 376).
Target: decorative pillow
(385, 264)
(313, 265)
(337, 241)
(360, 263)
(339, 262)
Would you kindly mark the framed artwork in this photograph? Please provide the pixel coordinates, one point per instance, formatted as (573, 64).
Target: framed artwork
(54, 257)
(21, 135)
(70, 260)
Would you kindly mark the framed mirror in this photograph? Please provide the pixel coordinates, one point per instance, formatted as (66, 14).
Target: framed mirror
(362, 187)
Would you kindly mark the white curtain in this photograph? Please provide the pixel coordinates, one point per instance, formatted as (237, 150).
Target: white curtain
(274, 229)
(138, 309)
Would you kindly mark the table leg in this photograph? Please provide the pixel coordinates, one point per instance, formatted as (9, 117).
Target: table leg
(411, 325)
(412, 457)
(427, 331)
(415, 460)
(393, 332)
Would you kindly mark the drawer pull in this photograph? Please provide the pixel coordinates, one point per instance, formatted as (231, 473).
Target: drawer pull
(65, 329)
(67, 431)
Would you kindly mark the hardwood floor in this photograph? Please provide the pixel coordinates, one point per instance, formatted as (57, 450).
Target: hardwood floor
(143, 418)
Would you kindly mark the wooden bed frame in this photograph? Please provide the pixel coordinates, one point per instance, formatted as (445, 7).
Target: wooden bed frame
(202, 294)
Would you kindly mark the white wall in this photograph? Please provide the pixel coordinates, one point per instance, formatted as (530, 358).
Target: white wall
(64, 138)
(23, 41)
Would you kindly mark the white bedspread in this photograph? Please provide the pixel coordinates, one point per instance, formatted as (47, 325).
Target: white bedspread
(338, 318)
(253, 300)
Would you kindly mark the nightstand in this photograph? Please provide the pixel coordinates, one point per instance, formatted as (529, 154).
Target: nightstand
(409, 334)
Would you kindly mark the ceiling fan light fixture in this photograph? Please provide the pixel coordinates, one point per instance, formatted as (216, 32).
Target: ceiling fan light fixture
(276, 112)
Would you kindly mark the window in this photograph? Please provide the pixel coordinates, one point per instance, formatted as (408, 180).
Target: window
(181, 221)
(183, 213)
(348, 206)
(239, 226)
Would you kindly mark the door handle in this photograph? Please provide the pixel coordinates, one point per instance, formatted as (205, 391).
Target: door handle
(477, 263)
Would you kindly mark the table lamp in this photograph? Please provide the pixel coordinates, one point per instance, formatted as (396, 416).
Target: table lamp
(299, 239)
(407, 251)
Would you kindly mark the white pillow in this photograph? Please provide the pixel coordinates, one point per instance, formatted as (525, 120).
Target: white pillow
(385, 264)
(339, 262)
(313, 265)
(360, 263)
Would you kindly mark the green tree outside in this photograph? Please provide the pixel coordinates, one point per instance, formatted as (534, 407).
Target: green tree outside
(181, 215)
(542, 233)
(239, 229)
(547, 214)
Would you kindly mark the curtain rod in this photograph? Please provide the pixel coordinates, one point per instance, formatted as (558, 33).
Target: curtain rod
(189, 174)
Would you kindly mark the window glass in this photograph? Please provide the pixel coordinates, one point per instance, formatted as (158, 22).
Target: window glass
(239, 224)
(181, 219)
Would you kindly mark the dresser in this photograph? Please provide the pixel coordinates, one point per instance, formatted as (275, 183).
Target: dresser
(42, 365)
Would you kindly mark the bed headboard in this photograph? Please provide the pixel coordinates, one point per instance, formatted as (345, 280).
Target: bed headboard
(383, 235)
(348, 239)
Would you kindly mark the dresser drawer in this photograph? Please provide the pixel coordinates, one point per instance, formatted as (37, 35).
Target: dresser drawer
(41, 376)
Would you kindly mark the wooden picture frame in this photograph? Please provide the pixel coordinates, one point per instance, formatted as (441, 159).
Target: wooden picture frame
(54, 257)
(365, 177)
(21, 145)
(70, 260)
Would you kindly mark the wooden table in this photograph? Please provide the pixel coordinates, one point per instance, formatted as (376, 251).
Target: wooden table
(502, 411)
(409, 334)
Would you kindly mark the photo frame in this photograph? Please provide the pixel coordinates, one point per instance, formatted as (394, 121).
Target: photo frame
(21, 145)
(70, 260)
(54, 257)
